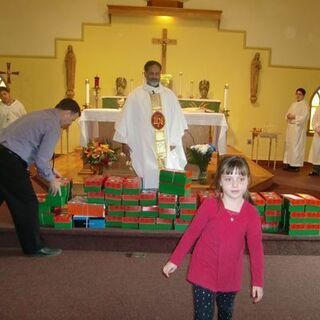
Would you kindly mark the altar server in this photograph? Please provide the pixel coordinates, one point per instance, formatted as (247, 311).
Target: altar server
(151, 127)
(314, 155)
(10, 109)
(297, 119)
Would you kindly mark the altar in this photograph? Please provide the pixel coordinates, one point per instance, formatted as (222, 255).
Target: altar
(90, 118)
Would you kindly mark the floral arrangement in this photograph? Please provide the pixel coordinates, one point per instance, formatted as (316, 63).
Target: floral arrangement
(200, 154)
(96, 153)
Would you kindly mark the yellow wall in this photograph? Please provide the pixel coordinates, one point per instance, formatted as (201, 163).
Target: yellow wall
(202, 52)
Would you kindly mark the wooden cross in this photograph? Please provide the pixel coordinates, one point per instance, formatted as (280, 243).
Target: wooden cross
(9, 72)
(164, 41)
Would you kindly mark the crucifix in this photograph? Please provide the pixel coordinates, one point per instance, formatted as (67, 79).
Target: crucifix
(164, 41)
(8, 72)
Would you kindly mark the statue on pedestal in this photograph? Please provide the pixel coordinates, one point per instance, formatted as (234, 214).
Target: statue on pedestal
(255, 70)
(121, 84)
(204, 86)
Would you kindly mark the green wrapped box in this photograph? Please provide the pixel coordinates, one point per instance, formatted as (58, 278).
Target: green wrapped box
(148, 197)
(46, 219)
(166, 213)
(164, 224)
(113, 222)
(180, 190)
(132, 211)
(147, 223)
(181, 225)
(149, 212)
(179, 177)
(130, 223)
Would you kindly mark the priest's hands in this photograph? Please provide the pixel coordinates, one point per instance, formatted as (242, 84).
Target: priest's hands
(256, 293)
(169, 268)
(55, 186)
(172, 148)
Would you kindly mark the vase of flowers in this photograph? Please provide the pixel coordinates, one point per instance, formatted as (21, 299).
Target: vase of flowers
(200, 155)
(98, 155)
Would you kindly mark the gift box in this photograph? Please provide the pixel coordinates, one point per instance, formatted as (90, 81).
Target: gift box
(113, 199)
(96, 197)
(130, 199)
(94, 183)
(97, 223)
(167, 200)
(187, 214)
(149, 212)
(62, 221)
(273, 216)
(258, 201)
(312, 204)
(181, 225)
(130, 223)
(178, 177)
(116, 211)
(180, 190)
(164, 224)
(113, 222)
(273, 200)
(304, 229)
(148, 197)
(204, 194)
(43, 203)
(58, 200)
(188, 202)
(147, 223)
(132, 185)
(80, 222)
(132, 211)
(270, 227)
(304, 217)
(113, 185)
(167, 213)
(46, 219)
(77, 205)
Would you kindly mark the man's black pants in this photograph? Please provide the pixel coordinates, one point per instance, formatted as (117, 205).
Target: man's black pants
(17, 191)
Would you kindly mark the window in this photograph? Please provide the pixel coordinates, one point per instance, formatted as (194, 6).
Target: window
(315, 102)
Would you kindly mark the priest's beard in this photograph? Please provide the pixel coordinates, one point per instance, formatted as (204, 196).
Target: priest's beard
(153, 83)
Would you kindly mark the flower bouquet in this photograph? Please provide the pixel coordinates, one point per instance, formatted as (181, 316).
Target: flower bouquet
(200, 154)
(98, 155)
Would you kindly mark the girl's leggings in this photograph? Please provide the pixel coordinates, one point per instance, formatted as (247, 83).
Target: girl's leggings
(204, 302)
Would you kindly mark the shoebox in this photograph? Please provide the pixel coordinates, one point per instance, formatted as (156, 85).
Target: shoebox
(259, 202)
(176, 189)
(175, 177)
(94, 183)
(167, 213)
(204, 194)
(273, 215)
(270, 227)
(147, 223)
(113, 199)
(181, 225)
(187, 214)
(97, 223)
(305, 217)
(188, 202)
(164, 224)
(116, 211)
(167, 200)
(96, 197)
(148, 197)
(80, 222)
(113, 222)
(273, 200)
(304, 229)
(132, 211)
(62, 221)
(149, 212)
(130, 223)
(95, 210)
(46, 219)
(58, 200)
(77, 205)
(130, 199)
(113, 185)
(312, 203)
(44, 205)
(132, 185)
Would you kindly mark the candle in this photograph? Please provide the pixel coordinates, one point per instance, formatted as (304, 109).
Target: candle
(180, 84)
(191, 89)
(87, 87)
(96, 81)
(225, 98)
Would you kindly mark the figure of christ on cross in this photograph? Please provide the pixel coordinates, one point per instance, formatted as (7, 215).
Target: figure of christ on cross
(8, 72)
(164, 41)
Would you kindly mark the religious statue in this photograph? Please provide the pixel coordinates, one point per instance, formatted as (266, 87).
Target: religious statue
(121, 84)
(255, 70)
(204, 86)
(70, 63)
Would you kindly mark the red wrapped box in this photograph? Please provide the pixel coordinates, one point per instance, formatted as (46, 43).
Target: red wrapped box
(167, 213)
(132, 185)
(114, 185)
(130, 199)
(206, 194)
(94, 183)
(150, 212)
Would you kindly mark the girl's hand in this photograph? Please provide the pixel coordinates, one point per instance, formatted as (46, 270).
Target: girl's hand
(169, 268)
(256, 293)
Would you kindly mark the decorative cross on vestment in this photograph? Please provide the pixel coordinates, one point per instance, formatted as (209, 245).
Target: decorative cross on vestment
(164, 41)
(9, 72)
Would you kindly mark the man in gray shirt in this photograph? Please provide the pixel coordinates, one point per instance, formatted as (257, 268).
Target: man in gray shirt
(31, 140)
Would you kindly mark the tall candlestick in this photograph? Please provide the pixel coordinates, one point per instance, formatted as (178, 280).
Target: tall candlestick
(96, 81)
(87, 87)
(225, 98)
(191, 89)
(180, 85)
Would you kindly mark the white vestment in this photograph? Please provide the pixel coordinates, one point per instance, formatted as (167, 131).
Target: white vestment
(296, 134)
(314, 155)
(135, 129)
(11, 113)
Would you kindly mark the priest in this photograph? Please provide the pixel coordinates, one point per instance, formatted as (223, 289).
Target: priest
(151, 128)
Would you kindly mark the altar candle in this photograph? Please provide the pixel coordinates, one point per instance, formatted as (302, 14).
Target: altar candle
(191, 89)
(96, 81)
(225, 99)
(87, 86)
(180, 84)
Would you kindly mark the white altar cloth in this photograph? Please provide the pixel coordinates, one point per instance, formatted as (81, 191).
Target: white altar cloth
(90, 118)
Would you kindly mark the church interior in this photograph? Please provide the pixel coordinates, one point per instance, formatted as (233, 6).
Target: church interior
(249, 56)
